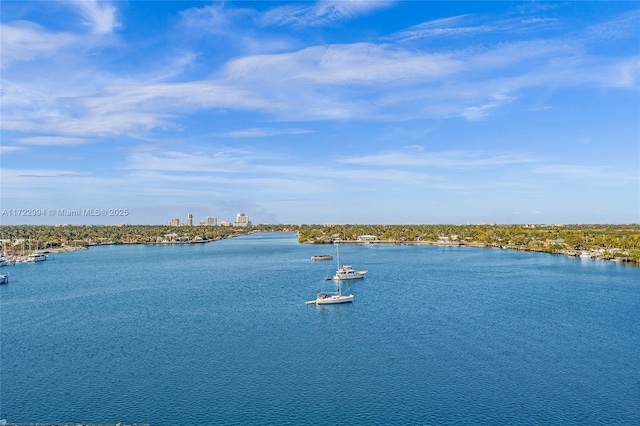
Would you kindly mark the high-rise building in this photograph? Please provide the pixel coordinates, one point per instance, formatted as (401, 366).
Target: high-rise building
(174, 222)
(211, 221)
(189, 219)
(242, 220)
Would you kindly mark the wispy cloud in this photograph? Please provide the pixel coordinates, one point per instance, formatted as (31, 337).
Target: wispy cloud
(5, 150)
(452, 159)
(321, 13)
(219, 161)
(621, 26)
(243, 166)
(480, 112)
(23, 41)
(52, 140)
(101, 16)
(320, 82)
(590, 175)
(451, 26)
(215, 19)
(470, 25)
(264, 132)
(309, 84)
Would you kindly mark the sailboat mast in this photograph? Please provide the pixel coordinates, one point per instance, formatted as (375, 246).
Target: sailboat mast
(339, 280)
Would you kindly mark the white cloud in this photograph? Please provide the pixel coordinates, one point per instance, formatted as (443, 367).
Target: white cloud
(263, 132)
(100, 15)
(223, 161)
(451, 26)
(359, 64)
(52, 140)
(321, 13)
(590, 175)
(215, 19)
(480, 112)
(453, 159)
(24, 41)
(618, 27)
(4, 149)
(357, 81)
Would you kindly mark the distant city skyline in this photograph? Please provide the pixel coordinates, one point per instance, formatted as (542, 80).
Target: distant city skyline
(370, 112)
(241, 220)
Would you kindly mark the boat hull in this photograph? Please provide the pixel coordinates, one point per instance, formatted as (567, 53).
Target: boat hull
(37, 258)
(335, 299)
(351, 276)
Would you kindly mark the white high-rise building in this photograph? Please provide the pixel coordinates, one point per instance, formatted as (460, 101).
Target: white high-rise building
(242, 220)
(211, 221)
(189, 219)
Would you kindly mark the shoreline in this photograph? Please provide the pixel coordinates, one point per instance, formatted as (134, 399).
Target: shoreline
(24, 258)
(597, 254)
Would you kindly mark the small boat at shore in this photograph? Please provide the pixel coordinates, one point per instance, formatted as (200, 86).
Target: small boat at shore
(36, 257)
(322, 257)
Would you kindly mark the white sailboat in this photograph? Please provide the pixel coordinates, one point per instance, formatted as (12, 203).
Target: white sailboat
(331, 298)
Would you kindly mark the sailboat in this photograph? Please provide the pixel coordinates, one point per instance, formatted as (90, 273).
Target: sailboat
(332, 298)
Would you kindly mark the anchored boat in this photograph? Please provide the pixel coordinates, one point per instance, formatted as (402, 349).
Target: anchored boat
(322, 257)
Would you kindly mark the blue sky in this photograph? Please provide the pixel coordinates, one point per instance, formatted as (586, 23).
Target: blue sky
(322, 112)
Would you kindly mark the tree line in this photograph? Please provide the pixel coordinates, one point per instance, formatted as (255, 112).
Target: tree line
(625, 237)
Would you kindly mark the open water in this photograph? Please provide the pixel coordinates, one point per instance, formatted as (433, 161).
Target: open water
(218, 333)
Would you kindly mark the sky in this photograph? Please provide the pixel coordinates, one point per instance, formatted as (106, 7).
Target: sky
(367, 112)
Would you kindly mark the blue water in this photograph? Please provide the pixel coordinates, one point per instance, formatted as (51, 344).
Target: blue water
(218, 333)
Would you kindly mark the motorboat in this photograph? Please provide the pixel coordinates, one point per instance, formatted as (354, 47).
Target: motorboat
(346, 272)
(36, 257)
(322, 257)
